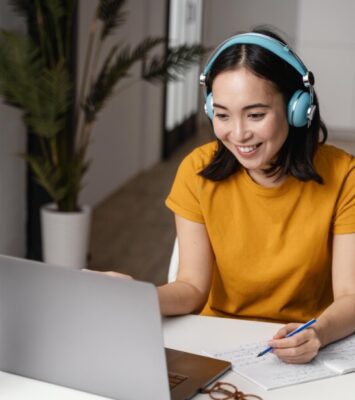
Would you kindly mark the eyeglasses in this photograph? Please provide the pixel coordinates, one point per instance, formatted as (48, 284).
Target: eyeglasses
(226, 391)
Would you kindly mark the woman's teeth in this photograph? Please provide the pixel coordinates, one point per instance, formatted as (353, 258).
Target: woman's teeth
(247, 149)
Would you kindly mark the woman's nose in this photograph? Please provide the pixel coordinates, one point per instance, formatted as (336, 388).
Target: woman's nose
(240, 131)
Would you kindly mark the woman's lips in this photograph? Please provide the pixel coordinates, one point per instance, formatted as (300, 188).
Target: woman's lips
(248, 151)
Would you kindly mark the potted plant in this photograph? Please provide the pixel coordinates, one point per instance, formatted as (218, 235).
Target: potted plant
(36, 75)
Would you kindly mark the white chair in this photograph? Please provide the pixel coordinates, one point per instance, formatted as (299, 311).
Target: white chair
(174, 262)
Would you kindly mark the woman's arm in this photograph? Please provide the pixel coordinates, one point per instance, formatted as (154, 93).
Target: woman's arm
(337, 321)
(189, 292)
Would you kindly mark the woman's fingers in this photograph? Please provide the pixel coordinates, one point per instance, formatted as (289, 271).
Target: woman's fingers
(300, 348)
(285, 330)
(110, 273)
(117, 275)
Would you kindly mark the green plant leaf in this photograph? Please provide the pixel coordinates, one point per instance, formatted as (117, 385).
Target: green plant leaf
(56, 9)
(111, 14)
(20, 62)
(47, 115)
(172, 66)
(42, 93)
(21, 7)
(112, 72)
(47, 176)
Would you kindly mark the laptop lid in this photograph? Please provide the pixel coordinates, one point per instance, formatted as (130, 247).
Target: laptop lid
(82, 330)
(91, 332)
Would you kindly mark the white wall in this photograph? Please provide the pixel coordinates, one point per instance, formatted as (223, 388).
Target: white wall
(127, 135)
(224, 18)
(326, 42)
(12, 169)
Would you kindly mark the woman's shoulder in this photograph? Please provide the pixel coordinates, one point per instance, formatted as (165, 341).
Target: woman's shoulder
(332, 159)
(201, 156)
(333, 151)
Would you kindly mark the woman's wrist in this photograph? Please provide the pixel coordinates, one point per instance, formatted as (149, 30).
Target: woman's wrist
(321, 330)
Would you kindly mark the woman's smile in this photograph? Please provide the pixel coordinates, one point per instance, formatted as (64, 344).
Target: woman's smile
(248, 151)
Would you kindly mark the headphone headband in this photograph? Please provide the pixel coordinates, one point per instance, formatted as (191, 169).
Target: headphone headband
(267, 42)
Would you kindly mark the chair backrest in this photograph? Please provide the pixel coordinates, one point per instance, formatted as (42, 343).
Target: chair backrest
(174, 262)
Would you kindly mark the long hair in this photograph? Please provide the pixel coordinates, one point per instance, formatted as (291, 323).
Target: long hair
(295, 158)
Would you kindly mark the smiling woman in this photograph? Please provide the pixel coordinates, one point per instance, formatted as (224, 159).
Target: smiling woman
(265, 214)
(250, 120)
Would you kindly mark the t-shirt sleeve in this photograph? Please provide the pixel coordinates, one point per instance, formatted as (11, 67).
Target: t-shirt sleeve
(344, 221)
(184, 197)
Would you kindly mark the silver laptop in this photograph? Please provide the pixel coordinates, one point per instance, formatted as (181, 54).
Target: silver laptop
(93, 333)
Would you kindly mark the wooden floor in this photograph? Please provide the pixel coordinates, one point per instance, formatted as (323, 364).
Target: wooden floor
(133, 232)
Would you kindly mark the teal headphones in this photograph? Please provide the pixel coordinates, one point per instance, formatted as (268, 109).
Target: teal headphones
(300, 109)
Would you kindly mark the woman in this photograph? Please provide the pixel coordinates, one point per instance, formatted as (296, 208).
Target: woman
(265, 215)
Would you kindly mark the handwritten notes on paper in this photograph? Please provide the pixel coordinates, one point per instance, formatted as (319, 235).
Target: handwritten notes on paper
(270, 373)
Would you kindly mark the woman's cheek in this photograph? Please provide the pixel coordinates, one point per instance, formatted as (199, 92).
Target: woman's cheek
(218, 131)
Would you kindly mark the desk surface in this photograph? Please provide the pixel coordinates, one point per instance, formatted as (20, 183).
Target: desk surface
(197, 334)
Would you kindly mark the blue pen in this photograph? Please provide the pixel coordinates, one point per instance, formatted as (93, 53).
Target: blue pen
(299, 329)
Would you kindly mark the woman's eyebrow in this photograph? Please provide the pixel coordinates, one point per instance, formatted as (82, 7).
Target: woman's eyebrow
(248, 107)
(256, 105)
(220, 106)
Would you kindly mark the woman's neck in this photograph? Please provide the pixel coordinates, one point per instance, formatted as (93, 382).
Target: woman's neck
(264, 180)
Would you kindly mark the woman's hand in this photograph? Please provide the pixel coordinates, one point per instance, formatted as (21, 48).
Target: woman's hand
(298, 349)
(116, 274)
(110, 273)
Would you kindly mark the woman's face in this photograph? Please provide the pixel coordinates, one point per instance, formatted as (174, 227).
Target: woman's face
(250, 119)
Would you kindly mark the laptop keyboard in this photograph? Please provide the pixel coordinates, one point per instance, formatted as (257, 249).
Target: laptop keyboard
(175, 379)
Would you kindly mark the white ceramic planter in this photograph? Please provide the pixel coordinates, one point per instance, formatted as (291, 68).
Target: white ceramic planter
(65, 236)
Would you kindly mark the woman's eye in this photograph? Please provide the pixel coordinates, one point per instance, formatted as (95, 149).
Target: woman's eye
(221, 116)
(256, 116)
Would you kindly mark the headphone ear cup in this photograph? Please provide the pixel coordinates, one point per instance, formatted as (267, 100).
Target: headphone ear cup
(209, 106)
(297, 108)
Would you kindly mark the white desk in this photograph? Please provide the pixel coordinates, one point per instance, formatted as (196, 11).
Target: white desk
(197, 334)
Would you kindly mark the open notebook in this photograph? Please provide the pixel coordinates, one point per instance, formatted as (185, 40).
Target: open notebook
(270, 373)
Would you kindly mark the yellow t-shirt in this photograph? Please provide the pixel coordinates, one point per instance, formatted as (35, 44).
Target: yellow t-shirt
(272, 246)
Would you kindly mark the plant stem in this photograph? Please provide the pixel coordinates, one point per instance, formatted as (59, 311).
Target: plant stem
(39, 19)
(54, 151)
(69, 27)
(85, 134)
(42, 35)
(43, 147)
(59, 40)
(97, 55)
(78, 112)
